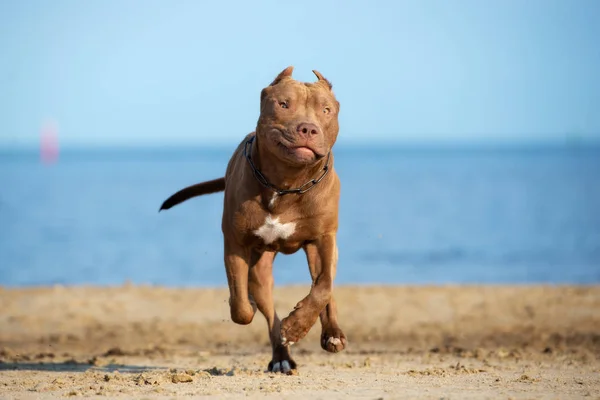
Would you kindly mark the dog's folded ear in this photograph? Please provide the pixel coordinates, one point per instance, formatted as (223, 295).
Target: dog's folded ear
(322, 78)
(286, 73)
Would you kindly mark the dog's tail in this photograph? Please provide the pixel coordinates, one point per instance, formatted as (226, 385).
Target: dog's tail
(214, 186)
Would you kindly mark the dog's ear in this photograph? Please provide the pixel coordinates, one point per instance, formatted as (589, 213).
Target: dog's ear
(322, 79)
(286, 73)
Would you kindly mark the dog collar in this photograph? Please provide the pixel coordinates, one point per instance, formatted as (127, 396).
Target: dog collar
(263, 180)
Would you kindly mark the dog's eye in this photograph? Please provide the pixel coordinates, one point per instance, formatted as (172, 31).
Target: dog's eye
(326, 110)
(283, 104)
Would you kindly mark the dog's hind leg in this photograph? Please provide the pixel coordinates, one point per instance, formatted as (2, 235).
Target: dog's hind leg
(332, 337)
(237, 260)
(261, 289)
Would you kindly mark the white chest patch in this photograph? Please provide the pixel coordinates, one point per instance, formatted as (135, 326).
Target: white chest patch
(273, 230)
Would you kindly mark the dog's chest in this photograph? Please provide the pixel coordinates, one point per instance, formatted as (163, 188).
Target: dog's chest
(273, 230)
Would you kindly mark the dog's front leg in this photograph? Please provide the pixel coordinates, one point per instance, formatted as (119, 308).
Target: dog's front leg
(321, 255)
(237, 260)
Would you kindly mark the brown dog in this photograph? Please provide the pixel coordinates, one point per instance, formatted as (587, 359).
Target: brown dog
(282, 194)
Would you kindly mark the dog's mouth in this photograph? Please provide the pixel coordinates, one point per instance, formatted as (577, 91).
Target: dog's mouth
(302, 150)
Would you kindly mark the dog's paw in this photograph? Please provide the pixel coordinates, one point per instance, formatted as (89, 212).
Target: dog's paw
(295, 326)
(285, 367)
(282, 362)
(333, 340)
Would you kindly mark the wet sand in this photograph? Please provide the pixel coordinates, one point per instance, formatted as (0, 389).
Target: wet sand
(534, 342)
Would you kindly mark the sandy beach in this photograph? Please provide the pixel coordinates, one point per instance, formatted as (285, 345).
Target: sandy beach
(534, 342)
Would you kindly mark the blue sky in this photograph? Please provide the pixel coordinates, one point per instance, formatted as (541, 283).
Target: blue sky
(150, 72)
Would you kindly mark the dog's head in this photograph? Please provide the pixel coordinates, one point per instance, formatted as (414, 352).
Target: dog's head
(298, 121)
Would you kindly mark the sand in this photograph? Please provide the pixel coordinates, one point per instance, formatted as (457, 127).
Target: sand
(534, 342)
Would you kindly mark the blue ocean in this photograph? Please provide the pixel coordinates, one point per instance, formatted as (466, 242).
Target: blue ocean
(407, 216)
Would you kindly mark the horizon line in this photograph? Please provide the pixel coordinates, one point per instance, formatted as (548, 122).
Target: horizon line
(346, 143)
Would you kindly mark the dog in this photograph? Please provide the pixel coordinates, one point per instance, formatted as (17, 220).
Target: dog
(282, 195)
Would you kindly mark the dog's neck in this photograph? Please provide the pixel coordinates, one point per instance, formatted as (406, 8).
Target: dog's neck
(284, 176)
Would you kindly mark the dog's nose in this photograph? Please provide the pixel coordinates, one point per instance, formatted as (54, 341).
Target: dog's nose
(308, 129)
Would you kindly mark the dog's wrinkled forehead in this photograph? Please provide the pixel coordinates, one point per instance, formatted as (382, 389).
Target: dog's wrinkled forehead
(285, 86)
